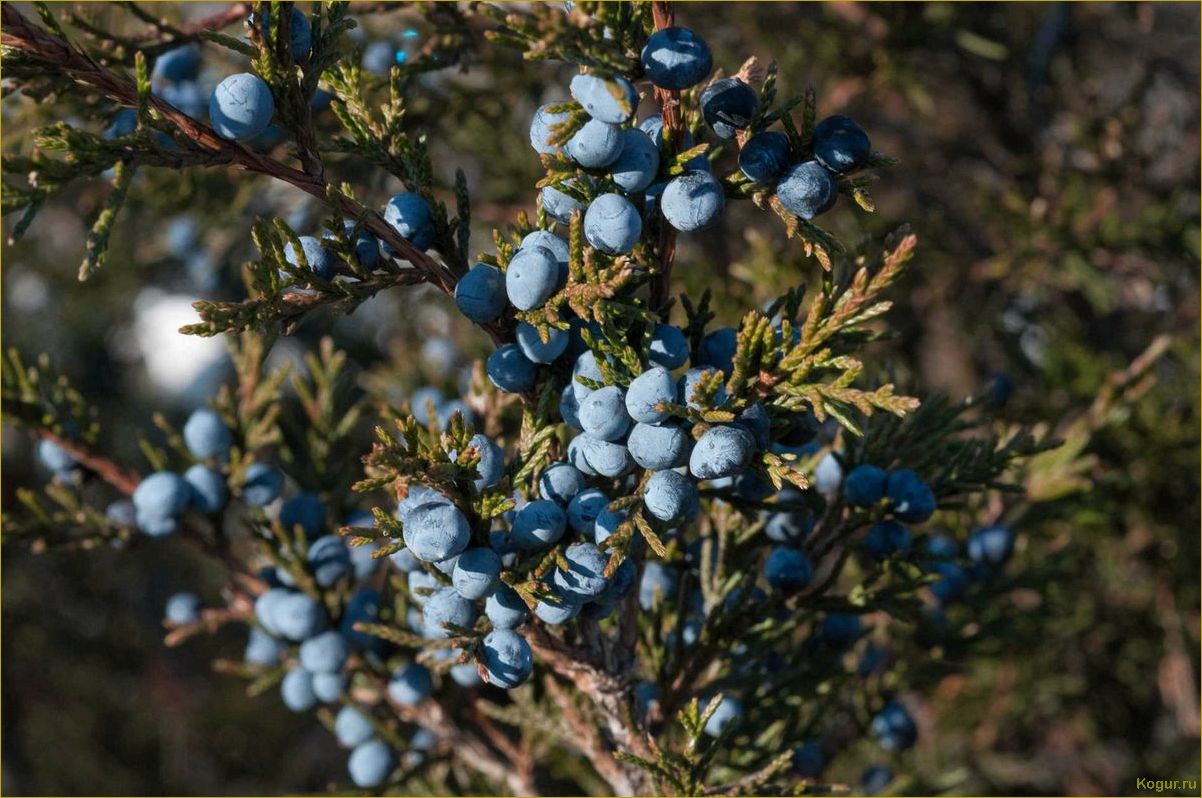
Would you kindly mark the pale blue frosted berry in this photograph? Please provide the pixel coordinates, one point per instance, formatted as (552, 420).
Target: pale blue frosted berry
(207, 436)
(577, 459)
(728, 714)
(329, 687)
(508, 661)
(585, 367)
(182, 608)
(410, 684)
(717, 349)
(585, 576)
(241, 107)
(721, 452)
(178, 64)
(366, 247)
(597, 144)
(477, 572)
(808, 190)
(159, 500)
(559, 205)
(569, 406)
(448, 409)
(446, 606)
(352, 726)
(491, 467)
(659, 446)
(263, 484)
(421, 586)
(480, 295)
(209, 493)
(828, 475)
(409, 214)
(558, 608)
(424, 402)
(436, 531)
(560, 482)
(540, 128)
(556, 245)
(584, 509)
(755, 419)
(416, 497)
(371, 763)
(612, 224)
(378, 57)
(505, 608)
(611, 100)
(532, 277)
(659, 583)
(329, 560)
(297, 690)
(55, 458)
(300, 38)
(669, 348)
(535, 349)
(637, 164)
(607, 524)
(510, 370)
(322, 261)
(298, 616)
(540, 523)
(671, 496)
(464, 675)
(607, 458)
(676, 58)
(991, 545)
(324, 653)
(646, 391)
(692, 201)
(262, 648)
(603, 414)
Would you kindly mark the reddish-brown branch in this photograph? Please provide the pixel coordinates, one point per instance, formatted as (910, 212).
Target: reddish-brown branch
(669, 110)
(127, 482)
(586, 738)
(468, 748)
(19, 33)
(112, 473)
(610, 692)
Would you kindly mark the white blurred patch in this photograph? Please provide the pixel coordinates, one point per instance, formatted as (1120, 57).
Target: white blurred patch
(174, 361)
(27, 291)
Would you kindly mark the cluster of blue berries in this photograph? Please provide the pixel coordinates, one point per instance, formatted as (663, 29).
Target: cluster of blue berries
(633, 431)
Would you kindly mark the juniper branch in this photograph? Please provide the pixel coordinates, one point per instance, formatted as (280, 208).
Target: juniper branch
(61, 56)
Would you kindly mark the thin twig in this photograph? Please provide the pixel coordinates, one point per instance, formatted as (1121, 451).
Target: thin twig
(673, 129)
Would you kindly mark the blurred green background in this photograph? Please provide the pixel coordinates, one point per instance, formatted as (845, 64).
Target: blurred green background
(1049, 165)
